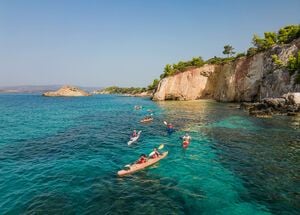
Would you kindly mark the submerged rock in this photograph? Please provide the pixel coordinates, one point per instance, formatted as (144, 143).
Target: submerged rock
(67, 91)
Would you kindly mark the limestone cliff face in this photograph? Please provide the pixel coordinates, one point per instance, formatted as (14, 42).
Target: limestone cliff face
(188, 85)
(67, 91)
(245, 79)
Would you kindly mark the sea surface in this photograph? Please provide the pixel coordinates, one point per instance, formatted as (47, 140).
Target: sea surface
(61, 156)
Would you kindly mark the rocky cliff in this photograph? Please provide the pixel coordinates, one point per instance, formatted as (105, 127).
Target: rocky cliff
(245, 79)
(67, 91)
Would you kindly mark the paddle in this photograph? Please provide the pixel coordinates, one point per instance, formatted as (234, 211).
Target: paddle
(160, 147)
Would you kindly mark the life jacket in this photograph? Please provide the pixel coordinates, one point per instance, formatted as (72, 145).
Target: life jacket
(142, 160)
(185, 143)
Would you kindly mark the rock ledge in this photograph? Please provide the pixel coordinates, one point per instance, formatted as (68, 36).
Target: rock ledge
(288, 104)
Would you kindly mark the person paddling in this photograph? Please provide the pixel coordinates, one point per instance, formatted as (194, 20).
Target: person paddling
(142, 159)
(134, 134)
(186, 140)
(154, 154)
(187, 137)
(170, 128)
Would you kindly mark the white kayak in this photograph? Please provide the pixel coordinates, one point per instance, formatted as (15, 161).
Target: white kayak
(131, 168)
(134, 139)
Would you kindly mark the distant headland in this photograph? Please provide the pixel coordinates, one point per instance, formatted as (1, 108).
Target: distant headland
(127, 91)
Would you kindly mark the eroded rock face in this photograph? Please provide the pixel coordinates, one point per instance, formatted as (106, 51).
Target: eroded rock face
(67, 91)
(246, 79)
(189, 85)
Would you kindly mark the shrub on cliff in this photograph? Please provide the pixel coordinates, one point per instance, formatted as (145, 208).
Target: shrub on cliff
(288, 33)
(219, 60)
(278, 63)
(285, 35)
(251, 51)
(181, 66)
(293, 66)
(214, 60)
(153, 85)
(239, 55)
(265, 43)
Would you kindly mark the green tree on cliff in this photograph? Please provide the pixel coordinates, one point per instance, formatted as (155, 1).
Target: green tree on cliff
(258, 42)
(265, 43)
(288, 33)
(197, 61)
(251, 51)
(228, 50)
(270, 39)
(153, 85)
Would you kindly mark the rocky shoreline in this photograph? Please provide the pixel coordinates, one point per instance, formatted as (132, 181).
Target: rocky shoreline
(248, 78)
(288, 104)
(143, 94)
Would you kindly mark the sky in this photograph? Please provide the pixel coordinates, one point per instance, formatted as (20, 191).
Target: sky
(100, 43)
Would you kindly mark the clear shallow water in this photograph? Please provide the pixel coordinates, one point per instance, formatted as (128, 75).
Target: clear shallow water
(61, 155)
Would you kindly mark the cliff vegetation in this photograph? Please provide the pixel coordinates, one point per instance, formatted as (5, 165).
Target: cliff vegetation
(284, 35)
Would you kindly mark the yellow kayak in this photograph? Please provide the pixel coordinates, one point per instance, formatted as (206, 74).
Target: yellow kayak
(136, 167)
(146, 120)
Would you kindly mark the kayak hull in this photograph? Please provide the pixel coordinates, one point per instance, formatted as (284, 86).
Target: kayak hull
(146, 120)
(136, 167)
(134, 139)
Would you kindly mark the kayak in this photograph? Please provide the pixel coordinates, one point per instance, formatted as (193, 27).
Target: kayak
(134, 139)
(146, 120)
(137, 107)
(136, 167)
(185, 144)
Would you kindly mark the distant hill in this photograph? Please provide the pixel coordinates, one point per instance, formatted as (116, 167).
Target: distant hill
(37, 88)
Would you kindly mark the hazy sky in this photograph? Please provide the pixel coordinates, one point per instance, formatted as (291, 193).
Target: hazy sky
(125, 42)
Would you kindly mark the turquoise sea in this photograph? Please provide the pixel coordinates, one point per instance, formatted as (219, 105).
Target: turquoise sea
(61, 156)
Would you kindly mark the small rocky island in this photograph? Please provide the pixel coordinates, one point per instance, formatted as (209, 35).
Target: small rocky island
(67, 91)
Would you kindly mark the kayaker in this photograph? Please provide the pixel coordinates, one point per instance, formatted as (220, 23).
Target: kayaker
(155, 153)
(186, 137)
(134, 134)
(185, 143)
(147, 118)
(170, 128)
(142, 159)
